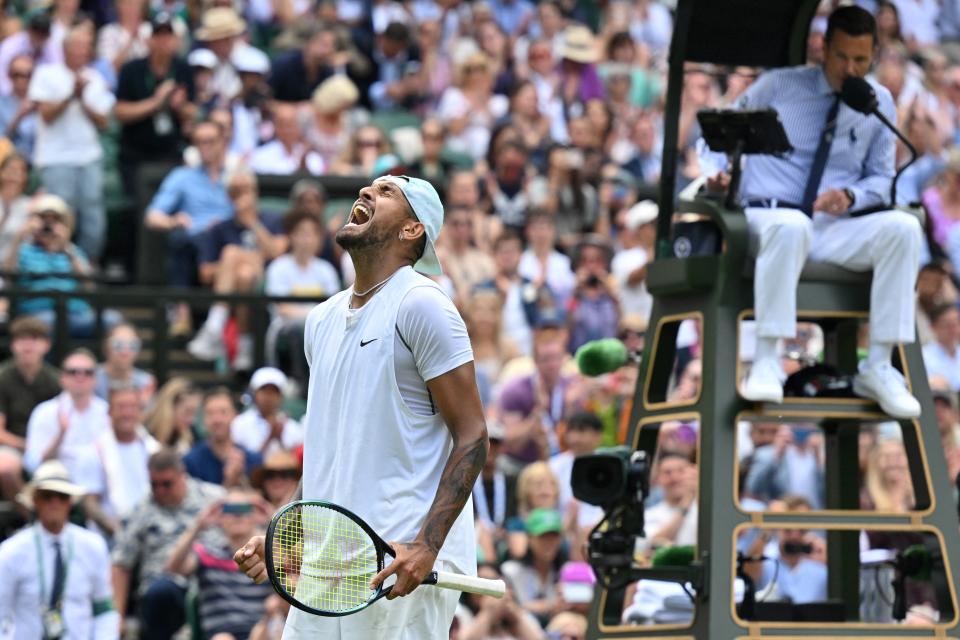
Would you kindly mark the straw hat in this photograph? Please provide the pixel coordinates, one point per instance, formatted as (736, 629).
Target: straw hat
(50, 476)
(219, 23)
(335, 93)
(578, 44)
(276, 461)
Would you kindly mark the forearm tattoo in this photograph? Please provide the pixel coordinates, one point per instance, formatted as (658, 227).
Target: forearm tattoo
(456, 483)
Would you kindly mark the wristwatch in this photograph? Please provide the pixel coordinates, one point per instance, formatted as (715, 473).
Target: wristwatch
(852, 196)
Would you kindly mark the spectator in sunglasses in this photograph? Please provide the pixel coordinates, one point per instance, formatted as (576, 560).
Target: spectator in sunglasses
(120, 349)
(277, 478)
(147, 539)
(18, 114)
(68, 426)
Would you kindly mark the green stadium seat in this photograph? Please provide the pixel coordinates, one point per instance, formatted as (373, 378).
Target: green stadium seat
(458, 159)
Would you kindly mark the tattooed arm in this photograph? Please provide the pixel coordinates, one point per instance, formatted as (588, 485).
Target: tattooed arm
(458, 400)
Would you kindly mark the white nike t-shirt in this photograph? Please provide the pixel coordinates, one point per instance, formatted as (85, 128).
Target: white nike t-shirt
(431, 339)
(375, 442)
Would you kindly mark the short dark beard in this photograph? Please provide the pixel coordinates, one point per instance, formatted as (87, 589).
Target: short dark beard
(373, 237)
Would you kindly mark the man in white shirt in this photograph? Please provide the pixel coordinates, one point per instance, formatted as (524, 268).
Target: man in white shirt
(68, 426)
(392, 383)
(941, 356)
(74, 103)
(629, 265)
(124, 450)
(541, 262)
(583, 434)
(517, 292)
(287, 153)
(264, 427)
(673, 520)
(56, 575)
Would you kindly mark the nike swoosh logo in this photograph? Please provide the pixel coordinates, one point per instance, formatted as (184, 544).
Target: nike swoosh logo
(363, 344)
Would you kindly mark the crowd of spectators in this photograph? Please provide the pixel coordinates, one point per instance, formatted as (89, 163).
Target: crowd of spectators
(542, 123)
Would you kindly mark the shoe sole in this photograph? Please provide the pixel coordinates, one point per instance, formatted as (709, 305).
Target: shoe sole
(858, 389)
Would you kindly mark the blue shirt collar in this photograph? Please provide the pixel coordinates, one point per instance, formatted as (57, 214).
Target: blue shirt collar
(823, 87)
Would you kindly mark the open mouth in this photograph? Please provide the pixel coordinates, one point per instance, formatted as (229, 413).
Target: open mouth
(360, 214)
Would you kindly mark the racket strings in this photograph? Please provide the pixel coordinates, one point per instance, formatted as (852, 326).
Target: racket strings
(324, 559)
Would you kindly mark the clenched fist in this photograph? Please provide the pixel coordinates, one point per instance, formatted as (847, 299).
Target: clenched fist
(250, 559)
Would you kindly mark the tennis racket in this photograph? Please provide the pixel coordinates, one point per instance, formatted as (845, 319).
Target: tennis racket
(321, 557)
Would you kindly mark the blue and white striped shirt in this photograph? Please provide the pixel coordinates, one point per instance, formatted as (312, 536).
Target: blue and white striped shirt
(862, 155)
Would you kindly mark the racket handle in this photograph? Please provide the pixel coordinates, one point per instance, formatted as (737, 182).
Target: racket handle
(469, 584)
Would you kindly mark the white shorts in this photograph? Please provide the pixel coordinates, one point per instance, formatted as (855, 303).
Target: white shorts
(425, 614)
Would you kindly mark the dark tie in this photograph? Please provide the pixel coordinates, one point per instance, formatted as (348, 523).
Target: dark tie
(820, 158)
(59, 576)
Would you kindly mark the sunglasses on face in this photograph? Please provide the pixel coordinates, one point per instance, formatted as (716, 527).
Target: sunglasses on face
(281, 474)
(161, 484)
(125, 345)
(368, 143)
(44, 496)
(20, 75)
(79, 373)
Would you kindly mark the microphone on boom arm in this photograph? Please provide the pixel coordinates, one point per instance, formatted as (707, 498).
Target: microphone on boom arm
(857, 94)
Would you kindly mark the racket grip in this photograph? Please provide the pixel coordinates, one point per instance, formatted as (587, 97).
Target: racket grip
(469, 584)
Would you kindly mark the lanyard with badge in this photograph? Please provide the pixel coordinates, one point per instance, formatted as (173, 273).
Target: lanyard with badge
(162, 122)
(51, 614)
(552, 416)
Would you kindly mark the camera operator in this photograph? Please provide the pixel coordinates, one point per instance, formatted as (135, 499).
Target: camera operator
(799, 572)
(44, 247)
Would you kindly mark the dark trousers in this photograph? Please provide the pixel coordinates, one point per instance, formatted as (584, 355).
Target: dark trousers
(181, 259)
(162, 610)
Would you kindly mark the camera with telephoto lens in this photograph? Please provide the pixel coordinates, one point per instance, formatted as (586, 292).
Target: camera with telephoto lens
(611, 476)
(593, 281)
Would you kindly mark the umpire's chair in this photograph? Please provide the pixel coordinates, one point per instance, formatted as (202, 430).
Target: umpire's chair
(715, 288)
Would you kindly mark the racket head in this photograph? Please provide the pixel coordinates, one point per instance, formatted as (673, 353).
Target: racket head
(321, 557)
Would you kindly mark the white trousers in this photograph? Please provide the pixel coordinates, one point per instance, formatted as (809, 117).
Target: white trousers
(425, 614)
(887, 243)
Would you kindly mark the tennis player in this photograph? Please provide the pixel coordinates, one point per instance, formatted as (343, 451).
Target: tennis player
(395, 430)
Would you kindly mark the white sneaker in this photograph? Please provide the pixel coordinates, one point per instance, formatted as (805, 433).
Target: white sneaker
(243, 360)
(887, 386)
(765, 382)
(206, 345)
